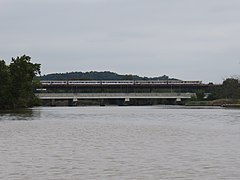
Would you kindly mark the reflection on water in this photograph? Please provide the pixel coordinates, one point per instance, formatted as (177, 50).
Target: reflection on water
(20, 114)
(159, 142)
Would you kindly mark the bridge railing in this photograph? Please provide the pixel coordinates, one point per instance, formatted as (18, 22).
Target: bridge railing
(113, 95)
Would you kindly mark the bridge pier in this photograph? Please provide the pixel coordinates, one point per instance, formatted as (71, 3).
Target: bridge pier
(127, 99)
(178, 100)
(75, 102)
(74, 99)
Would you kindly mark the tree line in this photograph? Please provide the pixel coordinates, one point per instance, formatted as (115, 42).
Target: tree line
(16, 83)
(229, 89)
(95, 75)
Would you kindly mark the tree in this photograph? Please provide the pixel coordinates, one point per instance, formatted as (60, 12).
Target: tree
(5, 86)
(200, 95)
(127, 77)
(22, 72)
(230, 88)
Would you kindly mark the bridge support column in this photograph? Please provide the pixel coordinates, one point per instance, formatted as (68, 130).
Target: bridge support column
(73, 102)
(127, 99)
(178, 100)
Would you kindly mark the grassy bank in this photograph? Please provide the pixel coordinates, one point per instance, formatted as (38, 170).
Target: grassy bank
(218, 102)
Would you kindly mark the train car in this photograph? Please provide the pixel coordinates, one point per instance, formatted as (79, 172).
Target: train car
(117, 82)
(45, 82)
(175, 82)
(83, 82)
(191, 82)
(122, 82)
(146, 82)
(54, 82)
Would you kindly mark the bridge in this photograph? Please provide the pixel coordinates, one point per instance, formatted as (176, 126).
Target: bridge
(126, 97)
(123, 87)
(49, 96)
(119, 92)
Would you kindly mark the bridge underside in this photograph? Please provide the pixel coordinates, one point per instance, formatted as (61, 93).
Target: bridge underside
(114, 98)
(135, 94)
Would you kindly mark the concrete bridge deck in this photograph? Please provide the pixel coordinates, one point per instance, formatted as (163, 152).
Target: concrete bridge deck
(75, 96)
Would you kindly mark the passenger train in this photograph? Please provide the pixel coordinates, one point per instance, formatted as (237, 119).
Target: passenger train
(120, 82)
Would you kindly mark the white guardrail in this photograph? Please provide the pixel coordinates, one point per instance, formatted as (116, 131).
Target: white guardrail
(45, 96)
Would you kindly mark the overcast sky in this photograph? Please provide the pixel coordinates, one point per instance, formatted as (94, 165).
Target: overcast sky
(186, 39)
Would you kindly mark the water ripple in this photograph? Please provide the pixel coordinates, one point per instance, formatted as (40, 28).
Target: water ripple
(120, 143)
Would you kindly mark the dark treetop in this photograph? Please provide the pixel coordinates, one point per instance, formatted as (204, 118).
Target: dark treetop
(94, 75)
(16, 83)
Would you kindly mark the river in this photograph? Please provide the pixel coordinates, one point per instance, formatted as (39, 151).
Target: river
(111, 142)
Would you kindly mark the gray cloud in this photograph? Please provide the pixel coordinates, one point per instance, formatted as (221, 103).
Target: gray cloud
(188, 39)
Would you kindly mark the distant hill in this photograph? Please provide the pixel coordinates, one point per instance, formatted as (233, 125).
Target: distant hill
(94, 75)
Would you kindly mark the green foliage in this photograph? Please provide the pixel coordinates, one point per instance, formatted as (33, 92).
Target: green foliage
(200, 95)
(230, 89)
(193, 98)
(213, 96)
(127, 77)
(94, 75)
(17, 82)
(5, 86)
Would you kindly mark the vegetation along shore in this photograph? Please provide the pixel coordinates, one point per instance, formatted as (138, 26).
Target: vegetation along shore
(16, 83)
(20, 79)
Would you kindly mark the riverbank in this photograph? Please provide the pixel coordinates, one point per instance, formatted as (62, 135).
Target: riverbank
(233, 103)
(228, 103)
